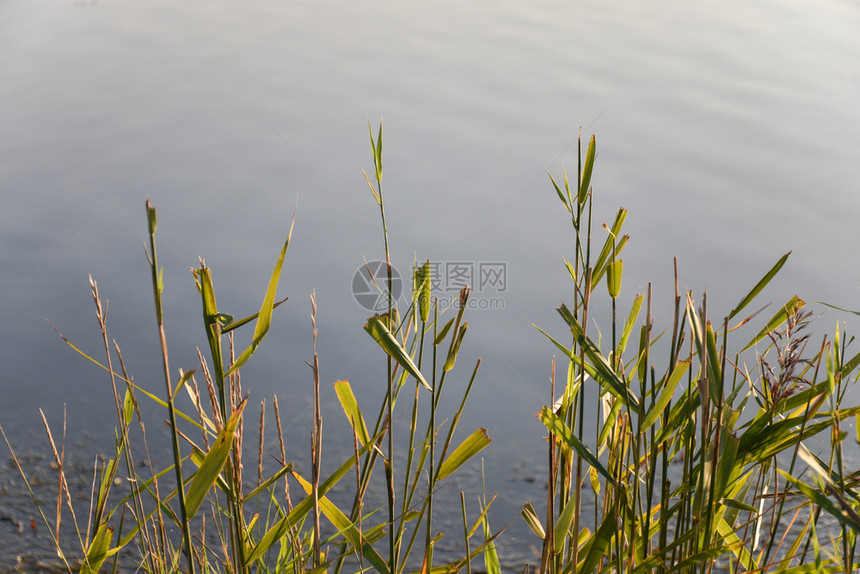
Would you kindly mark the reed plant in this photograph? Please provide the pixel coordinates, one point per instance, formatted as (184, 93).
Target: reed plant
(203, 512)
(698, 462)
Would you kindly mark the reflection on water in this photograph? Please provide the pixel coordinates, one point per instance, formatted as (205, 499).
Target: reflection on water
(729, 133)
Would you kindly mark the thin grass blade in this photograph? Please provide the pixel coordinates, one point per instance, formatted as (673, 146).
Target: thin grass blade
(759, 286)
(264, 319)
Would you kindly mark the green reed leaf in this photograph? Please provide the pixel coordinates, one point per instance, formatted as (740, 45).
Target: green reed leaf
(563, 433)
(346, 528)
(603, 373)
(376, 148)
(422, 290)
(472, 445)
(613, 277)
(600, 542)
(563, 524)
(714, 366)
(268, 482)
(587, 169)
(299, 511)
(491, 557)
(441, 336)
(455, 348)
(631, 322)
(791, 306)
(612, 247)
(353, 413)
(98, 550)
(561, 195)
(759, 286)
(264, 320)
(228, 323)
(214, 462)
(372, 188)
(211, 323)
(182, 380)
(530, 516)
(376, 328)
(837, 510)
(666, 394)
(726, 464)
(127, 406)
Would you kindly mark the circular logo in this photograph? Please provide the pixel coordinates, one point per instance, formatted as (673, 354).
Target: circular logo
(370, 286)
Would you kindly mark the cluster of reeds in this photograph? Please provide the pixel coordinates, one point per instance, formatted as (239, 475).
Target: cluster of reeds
(696, 466)
(204, 513)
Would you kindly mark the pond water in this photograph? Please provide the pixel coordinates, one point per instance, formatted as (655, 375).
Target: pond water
(730, 132)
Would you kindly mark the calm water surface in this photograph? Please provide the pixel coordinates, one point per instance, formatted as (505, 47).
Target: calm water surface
(731, 132)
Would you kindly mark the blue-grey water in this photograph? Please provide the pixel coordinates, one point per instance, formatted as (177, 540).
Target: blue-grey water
(731, 132)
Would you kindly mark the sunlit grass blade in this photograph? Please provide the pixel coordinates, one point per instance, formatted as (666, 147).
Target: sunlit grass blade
(350, 407)
(212, 326)
(491, 557)
(376, 328)
(423, 281)
(231, 324)
(603, 370)
(98, 550)
(264, 320)
(299, 511)
(614, 244)
(851, 520)
(666, 394)
(759, 286)
(268, 482)
(443, 332)
(561, 196)
(778, 319)
(471, 445)
(599, 543)
(557, 427)
(587, 169)
(347, 528)
(214, 462)
(455, 348)
(534, 523)
(563, 524)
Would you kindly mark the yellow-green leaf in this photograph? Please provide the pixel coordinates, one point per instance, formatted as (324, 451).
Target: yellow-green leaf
(472, 445)
(376, 328)
(613, 277)
(350, 407)
(98, 550)
(422, 290)
(455, 348)
(586, 170)
(778, 319)
(212, 465)
(562, 432)
(665, 395)
(264, 320)
(530, 516)
(347, 528)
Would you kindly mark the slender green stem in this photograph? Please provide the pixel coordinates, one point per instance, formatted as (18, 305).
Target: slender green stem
(174, 431)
